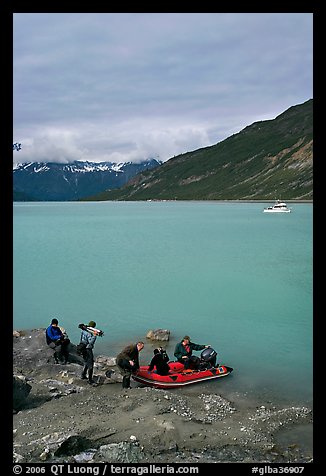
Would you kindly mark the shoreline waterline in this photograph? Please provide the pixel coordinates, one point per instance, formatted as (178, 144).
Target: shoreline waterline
(197, 423)
(221, 272)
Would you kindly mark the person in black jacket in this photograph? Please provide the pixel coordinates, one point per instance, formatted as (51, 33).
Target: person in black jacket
(128, 362)
(160, 361)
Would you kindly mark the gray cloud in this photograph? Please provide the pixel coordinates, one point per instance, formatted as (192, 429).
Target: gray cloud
(127, 86)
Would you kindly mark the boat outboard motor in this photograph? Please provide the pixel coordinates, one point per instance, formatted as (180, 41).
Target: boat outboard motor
(208, 356)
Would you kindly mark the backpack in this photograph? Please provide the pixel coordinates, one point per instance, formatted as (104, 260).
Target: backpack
(165, 356)
(81, 347)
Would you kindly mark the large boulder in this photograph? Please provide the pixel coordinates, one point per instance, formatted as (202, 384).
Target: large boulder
(33, 357)
(123, 452)
(158, 334)
(104, 371)
(21, 391)
(103, 362)
(31, 351)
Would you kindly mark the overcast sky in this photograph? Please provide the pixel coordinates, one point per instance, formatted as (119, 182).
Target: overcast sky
(129, 86)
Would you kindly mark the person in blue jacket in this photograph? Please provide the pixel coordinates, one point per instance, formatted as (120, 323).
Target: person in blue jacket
(57, 341)
(183, 353)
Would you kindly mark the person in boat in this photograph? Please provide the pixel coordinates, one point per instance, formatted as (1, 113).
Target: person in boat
(128, 362)
(57, 340)
(160, 361)
(87, 340)
(183, 353)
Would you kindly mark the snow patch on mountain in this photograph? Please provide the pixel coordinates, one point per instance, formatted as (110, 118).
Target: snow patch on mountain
(78, 179)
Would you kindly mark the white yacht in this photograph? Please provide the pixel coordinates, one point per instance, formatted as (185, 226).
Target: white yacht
(278, 207)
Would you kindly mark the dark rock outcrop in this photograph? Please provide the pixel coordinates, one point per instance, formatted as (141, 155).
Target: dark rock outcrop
(21, 391)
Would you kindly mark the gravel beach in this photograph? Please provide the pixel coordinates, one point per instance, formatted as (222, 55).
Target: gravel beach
(60, 418)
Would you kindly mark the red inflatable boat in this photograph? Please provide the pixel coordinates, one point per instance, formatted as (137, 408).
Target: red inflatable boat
(178, 376)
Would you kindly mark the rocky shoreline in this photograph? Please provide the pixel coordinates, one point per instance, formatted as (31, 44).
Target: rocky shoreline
(60, 418)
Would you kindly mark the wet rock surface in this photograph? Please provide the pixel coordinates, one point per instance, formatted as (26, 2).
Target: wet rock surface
(64, 419)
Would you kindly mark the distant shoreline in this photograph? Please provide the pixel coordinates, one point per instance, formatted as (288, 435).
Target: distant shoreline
(263, 201)
(237, 201)
(165, 200)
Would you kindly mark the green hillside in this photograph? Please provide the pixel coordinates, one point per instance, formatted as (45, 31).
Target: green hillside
(266, 160)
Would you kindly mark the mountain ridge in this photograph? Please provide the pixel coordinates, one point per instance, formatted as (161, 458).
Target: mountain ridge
(265, 160)
(71, 181)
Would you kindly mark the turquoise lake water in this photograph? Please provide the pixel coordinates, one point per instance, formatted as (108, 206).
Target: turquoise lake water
(224, 273)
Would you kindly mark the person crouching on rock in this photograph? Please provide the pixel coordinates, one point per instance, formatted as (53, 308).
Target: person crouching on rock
(128, 362)
(183, 353)
(56, 340)
(88, 338)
